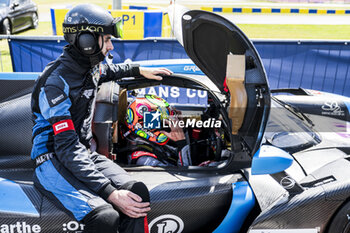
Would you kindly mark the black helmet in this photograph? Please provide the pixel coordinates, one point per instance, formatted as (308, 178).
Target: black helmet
(83, 25)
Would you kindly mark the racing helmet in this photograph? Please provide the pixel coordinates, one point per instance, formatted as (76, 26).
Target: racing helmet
(137, 110)
(85, 23)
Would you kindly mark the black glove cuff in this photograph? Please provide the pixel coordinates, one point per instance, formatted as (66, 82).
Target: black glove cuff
(180, 144)
(134, 70)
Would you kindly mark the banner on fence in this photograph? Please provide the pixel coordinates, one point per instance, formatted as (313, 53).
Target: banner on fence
(320, 65)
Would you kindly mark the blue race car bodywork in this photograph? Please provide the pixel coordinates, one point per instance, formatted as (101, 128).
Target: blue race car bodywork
(271, 165)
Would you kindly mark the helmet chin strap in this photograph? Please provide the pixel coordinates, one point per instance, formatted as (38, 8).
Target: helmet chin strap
(96, 58)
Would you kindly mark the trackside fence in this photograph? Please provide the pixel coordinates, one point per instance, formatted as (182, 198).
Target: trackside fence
(320, 65)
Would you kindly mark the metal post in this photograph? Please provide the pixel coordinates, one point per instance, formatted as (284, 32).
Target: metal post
(117, 5)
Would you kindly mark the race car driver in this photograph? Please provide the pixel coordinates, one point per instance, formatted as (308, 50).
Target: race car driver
(151, 146)
(85, 184)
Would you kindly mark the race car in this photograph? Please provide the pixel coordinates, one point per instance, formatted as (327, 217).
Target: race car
(272, 166)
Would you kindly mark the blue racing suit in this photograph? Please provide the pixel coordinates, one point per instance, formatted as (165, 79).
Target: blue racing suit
(75, 179)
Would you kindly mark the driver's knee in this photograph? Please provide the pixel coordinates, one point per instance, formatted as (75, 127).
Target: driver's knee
(138, 188)
(105, 219)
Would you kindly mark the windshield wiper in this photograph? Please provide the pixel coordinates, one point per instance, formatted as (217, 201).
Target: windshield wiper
(295, 111)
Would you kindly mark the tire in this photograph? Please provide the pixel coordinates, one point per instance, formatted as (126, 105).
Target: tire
(35, 21)
(341, 221)
(6, 27)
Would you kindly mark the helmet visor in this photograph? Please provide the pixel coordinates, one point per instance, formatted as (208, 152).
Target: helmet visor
(117, 27)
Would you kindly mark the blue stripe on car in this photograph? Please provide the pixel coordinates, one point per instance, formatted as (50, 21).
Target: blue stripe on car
(180, 68)
(19, 76)
(55, 183)
(14, 200)
(347, 103)
(243, 201)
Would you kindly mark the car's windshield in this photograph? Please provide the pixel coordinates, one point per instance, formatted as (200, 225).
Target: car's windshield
(287, 131)
(4, 3)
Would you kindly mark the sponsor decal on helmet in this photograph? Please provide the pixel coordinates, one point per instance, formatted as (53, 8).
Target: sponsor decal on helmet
(157, 100)
(130, 116)
(73, 227)
(141, 108)
(162, 138)
(167, 223)
(81, 28)
(144, 134)
(20, 227)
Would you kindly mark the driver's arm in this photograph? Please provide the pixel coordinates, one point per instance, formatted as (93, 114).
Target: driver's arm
(113, 72)
(178, 136)
(184, 153)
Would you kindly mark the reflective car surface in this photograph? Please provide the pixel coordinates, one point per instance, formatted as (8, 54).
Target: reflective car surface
(17, 15)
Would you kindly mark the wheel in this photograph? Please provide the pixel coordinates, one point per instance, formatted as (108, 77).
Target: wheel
(341, 221)
(6, 27)
(35, 21)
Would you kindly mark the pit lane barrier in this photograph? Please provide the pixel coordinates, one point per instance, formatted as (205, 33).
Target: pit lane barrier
(258, 10)
(319, 65)
(268, 10)
(142, 21)
(137, 23)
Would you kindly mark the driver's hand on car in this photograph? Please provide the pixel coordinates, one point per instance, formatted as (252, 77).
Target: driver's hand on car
(153, 73)
(176, 133)
(129, 203)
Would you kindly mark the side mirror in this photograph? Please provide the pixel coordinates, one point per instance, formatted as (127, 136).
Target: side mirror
(14, 5)
(270, 160)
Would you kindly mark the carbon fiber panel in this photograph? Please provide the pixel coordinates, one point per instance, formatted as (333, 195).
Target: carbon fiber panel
(16, 161)
(51, 219)
(21, 175)
(307, 210)
(260, 184)
(315, 206)
(200, 205)
(33, 194)
(16, 127)
(340, 170)
(198, 201)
